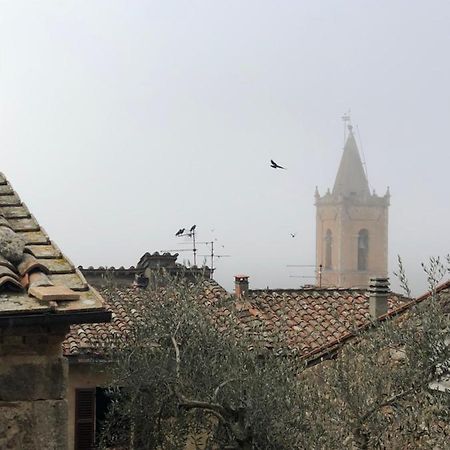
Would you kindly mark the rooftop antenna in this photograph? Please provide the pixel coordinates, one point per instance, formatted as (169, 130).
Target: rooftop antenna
(194, 248)
(212, 255)
(191, 235)
(319, 271)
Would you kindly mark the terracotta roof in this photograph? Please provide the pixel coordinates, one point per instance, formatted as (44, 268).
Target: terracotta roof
(31, 266)
(306, 322)
(443, 288)
(309, 321)
(123, 303)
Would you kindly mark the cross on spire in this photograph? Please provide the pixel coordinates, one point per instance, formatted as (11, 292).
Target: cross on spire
(346, 117)
(347, 123)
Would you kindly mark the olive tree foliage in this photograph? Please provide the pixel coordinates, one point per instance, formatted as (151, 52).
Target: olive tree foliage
(187, 381)
(377, 392)
(184, 382)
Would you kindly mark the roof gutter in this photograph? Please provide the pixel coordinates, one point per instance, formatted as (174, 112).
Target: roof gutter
(15, 320)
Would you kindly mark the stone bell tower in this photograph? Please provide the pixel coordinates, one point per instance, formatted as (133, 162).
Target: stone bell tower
(351, 226)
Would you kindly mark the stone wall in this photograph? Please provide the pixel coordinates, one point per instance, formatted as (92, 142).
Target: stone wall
(33, 384)
(85, 374)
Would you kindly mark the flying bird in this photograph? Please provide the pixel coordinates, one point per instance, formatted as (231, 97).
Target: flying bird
(179, 232)
(293, 235)
(192, 228)
(274, 165)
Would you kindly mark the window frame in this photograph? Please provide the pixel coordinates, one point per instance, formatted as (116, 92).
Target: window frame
(363, 250)
(328, 250)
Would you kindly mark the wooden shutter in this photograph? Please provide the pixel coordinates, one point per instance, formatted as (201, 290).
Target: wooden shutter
(84, 419)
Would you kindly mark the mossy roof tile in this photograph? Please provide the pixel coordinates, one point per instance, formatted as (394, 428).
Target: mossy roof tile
(41, 255)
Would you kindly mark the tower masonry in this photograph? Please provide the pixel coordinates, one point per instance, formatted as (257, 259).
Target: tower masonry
(351, 226)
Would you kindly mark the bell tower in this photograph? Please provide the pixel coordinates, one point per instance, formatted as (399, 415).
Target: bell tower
(351, 226)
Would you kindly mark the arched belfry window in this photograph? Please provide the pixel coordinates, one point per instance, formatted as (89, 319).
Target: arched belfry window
(328, 249)
(363, 249)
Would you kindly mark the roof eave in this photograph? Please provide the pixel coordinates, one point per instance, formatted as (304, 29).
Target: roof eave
(51, 318)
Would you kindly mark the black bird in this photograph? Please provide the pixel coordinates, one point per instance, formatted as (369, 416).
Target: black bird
(179, 232)
(274, 165)
(293, 235)
(192, 228)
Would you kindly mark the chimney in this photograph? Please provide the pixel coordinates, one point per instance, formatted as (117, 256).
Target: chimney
(240, 285)
(378, 294)
(140, 281)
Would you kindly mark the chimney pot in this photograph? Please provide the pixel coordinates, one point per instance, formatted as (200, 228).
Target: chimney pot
(140, 281)
(240, 285)
(378, 295)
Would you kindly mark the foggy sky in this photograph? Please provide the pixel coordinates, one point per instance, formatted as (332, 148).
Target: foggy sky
(122, 121)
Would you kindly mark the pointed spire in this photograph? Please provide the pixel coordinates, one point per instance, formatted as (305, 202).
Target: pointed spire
(351, 177)
(316, 193)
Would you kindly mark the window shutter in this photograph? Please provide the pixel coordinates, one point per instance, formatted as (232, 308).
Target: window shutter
(84, 419)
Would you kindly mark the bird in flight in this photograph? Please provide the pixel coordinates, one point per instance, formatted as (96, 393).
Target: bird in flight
(293, 235)
(192, 228)
(179, 232)
(274, 165)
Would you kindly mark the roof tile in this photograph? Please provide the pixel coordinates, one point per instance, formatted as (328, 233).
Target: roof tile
(27, 253)
(305, 321)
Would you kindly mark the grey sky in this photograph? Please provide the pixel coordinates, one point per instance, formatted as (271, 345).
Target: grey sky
(122, 121)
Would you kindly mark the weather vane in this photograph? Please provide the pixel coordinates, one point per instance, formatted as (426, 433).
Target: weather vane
(346, 117)
(347, 123)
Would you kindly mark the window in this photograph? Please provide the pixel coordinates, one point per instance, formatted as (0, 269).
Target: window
(102, 403)
(84, 419)
(91, 406)
(363, 249)
(328, 247)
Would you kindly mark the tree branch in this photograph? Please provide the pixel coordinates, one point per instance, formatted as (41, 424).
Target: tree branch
(387, 402)
(215, 409)
(177, 357)
(221, 385)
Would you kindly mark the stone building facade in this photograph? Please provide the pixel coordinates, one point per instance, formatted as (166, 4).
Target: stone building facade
(150, 268)
(351, 226)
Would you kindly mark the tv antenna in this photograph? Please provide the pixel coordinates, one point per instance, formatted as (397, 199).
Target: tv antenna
(302, 276)
(212, 255)
(191, 235)
(318, 275)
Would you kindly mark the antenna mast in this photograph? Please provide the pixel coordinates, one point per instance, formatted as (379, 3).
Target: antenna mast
(191, 235)
(194, 248)
(319, 271)
(212, 255)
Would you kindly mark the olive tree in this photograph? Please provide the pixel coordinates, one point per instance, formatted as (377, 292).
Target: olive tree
(183, 382)
(377, 392)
